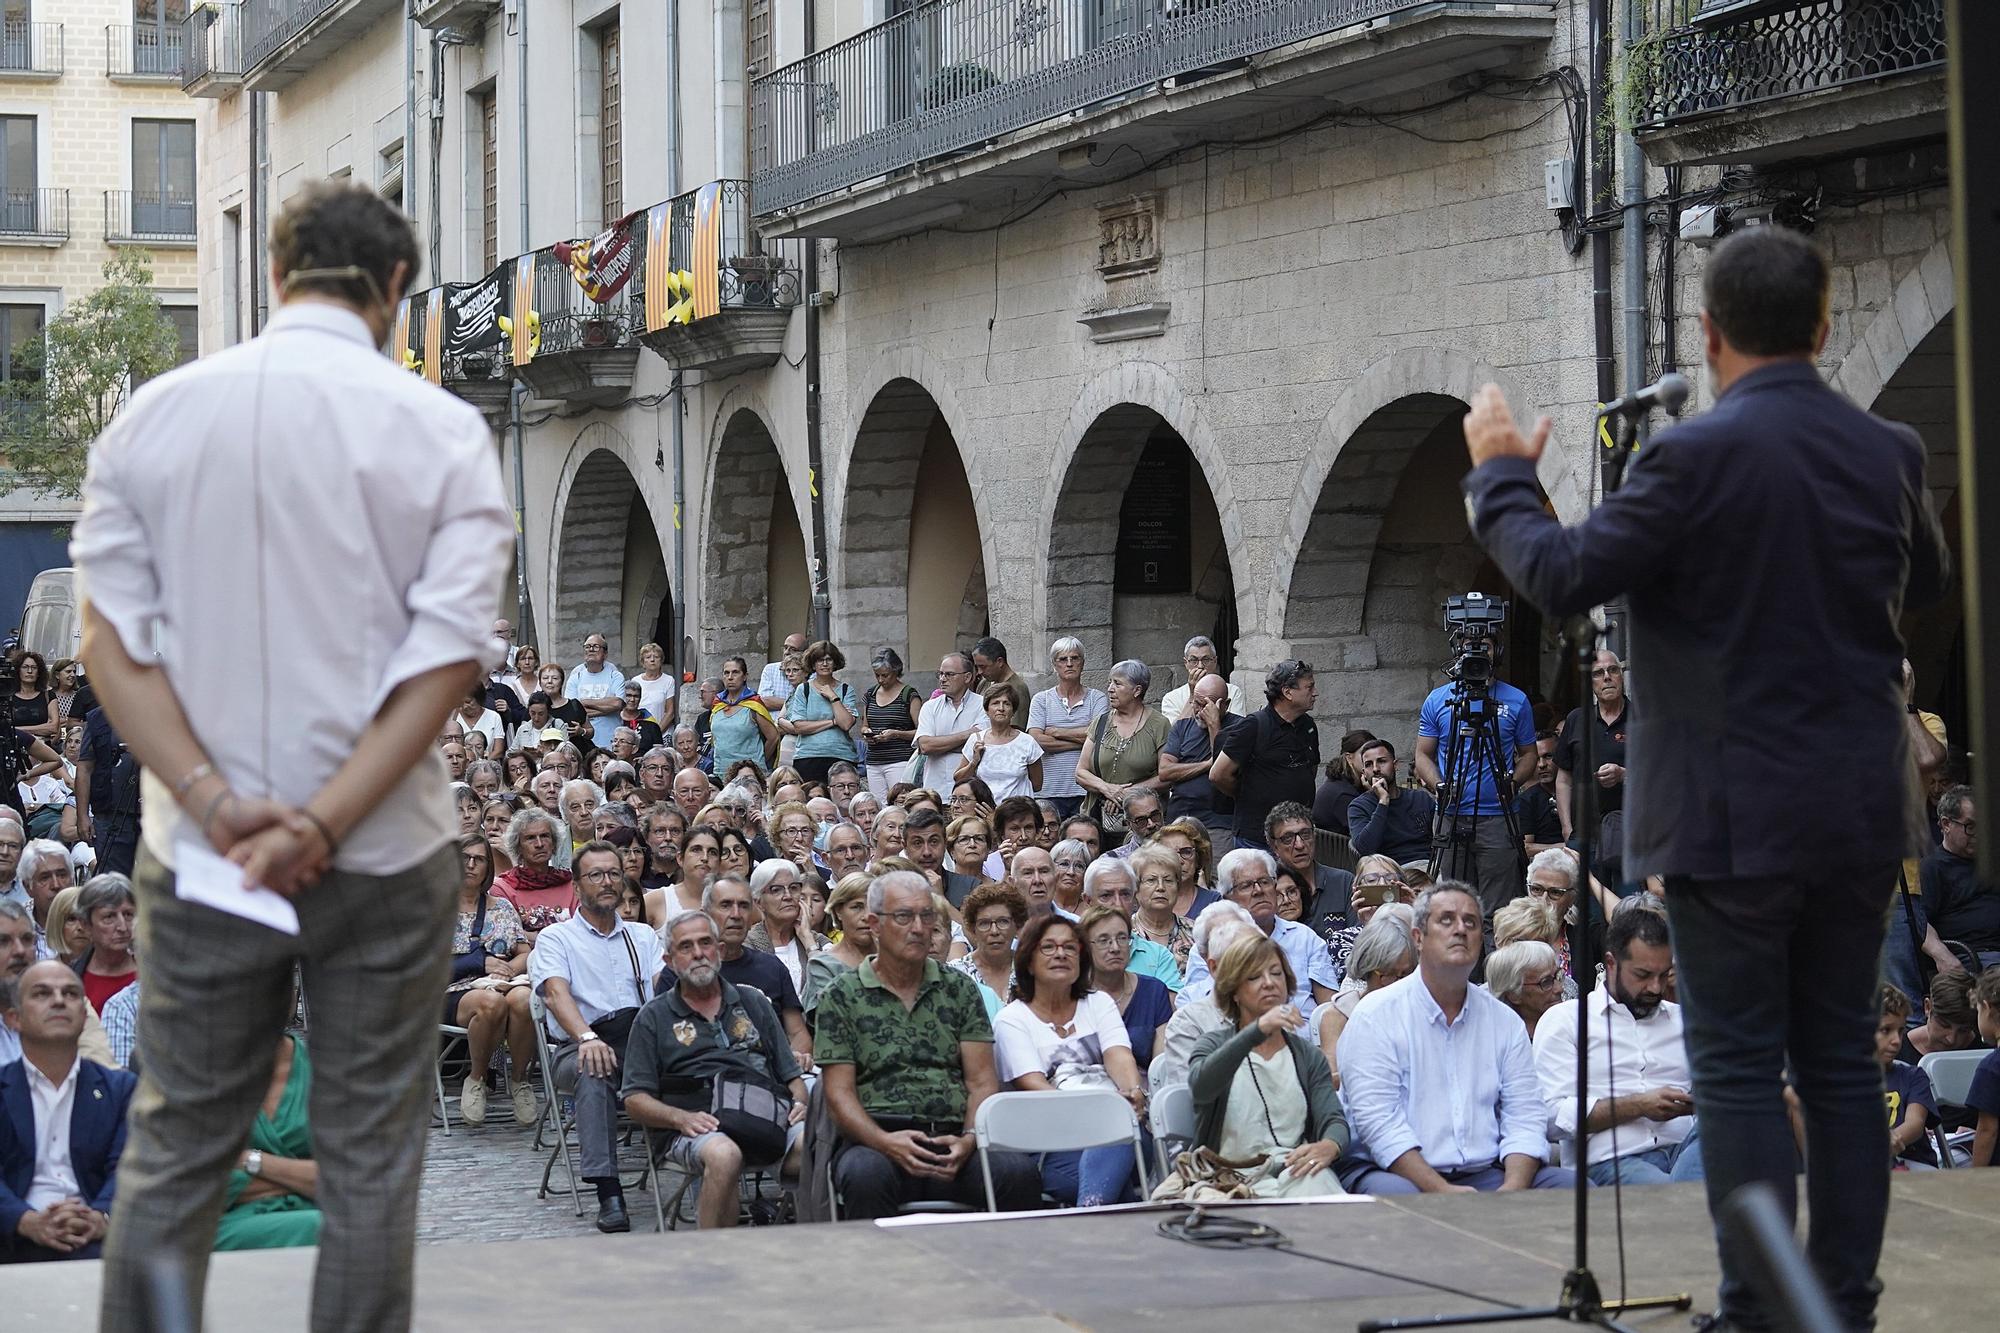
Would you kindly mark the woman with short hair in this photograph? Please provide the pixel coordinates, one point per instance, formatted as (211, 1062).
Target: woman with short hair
(1003, 756)
(107, 908)
(1156, 875)
(580, 799)
(889, 723)
(1121, 756)
(792, 833)
(540, 892)
(863, 809)
(465, 803)
(886, 838)
(782, 932)
(993, 914)
(967, 840)
(1526, 976)
(1189, 840)
(1384, 953)
(1070, 859)
(1263, 1094)
(1144, 1003)
(821, 714)
(847, 909)
(489, 949)
(656, 689)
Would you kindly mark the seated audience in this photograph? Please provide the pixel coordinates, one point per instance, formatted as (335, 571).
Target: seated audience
(1525, 977)
(1984, 1098)
(1191, 841)
(1951, 1021)
(847, 910)
(1158, 872)
(488, 994)
(271, 1202)
(906, 1056)
(540, 893)
(1144, 1003)
(1060, 1033)
(1110, 883)
(1383, 817)
(1335, 796)
(703, 1057)
(1033, 873)
(1263, 1093)
(1378, 881)
(781, 930)
(1437, 1074)
(1068, 859)
(994, 916)
(1289, 833)
(56, 1179)
(727, 900)
(1960, 908)
(1219, 925)
(1911, 1100)
(108, 910)
(18, 944)
(68, 932)
(1384, 953)
(1248, 877)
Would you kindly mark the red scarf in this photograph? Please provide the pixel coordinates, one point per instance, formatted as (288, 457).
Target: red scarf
(528, 879)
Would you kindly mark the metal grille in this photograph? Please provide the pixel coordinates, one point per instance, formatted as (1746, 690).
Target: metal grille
(37, 213)
(212, 44)
(489, 179)
(1810, 47)
(754, 273)
(952, 74)
(30, 48)
(148, 215)
(611, 123)
(271, 23)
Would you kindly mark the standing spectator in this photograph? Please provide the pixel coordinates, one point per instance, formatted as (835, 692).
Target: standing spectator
(1479, 851)
(889, 722)
(1387, 818)
(947, 721)
(1342, 784)
(599, 686)
(1192, 745)
(1269, 758)
(740, 726)
(29, 707)
(657, 687)
(1609, 711)
(1121, 757)
(1248, 877)
(821, 714)
(1958, 907)
(773, 686)
(906, 1052)
(1199, 657)
(1535, 805)
(989, 662)
(565, 712)
(1060, 718)
(707, 694)
(526, 677)
(1007, 759)
(633, 717)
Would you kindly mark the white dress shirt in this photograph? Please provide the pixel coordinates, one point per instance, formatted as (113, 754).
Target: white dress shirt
(942, 717)
(1627, 1056)
(1463, 1092)
(598, 968)
(55, 1176)
(291, 529)
(1176, 699)
(1311, 961)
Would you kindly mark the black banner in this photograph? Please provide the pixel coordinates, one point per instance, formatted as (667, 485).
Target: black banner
(472, 312)
(1155, 550)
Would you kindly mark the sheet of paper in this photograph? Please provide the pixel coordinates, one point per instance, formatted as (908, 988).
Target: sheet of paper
(203, 875)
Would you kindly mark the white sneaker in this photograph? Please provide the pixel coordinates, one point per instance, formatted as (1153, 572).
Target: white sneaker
(525, 1111)
(472, 1101)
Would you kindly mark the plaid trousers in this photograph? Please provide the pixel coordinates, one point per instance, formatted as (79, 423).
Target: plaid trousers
(373, 952)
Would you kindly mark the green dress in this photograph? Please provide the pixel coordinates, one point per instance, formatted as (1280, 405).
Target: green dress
(282, 1220)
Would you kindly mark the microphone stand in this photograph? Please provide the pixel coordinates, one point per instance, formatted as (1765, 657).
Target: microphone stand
(1582, 1299)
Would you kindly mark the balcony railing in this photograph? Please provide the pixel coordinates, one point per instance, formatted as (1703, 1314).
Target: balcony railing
(213, 42)
(38, 217)
(751, 274)
(31, 49)
(1688, 65)
(141, 217)
(951, 74)
(282, 39)
(145, 52)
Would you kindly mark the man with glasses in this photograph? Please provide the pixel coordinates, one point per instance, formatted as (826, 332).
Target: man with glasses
(692, 791)
(599, 687)
(1640, 1127)
(947, 720)
(1292, 838)
(588, 971)
(1248, 877)
(1060, 719)
(1271, 756)
(1957, 905)
(772, 687)
(906, 1052)
(1145, 815)
(656, 776)
(1610, 712)
(1552, 880)
(1180, 703)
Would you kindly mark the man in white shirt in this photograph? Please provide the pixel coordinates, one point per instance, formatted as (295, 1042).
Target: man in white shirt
(1248, 877)
(1200, 660)
(772, 687)
(290, 555)
(1640, 1125)
(56, 1182)
(1437, 1074)
(599, 687)
(946, 723)
(20, 942)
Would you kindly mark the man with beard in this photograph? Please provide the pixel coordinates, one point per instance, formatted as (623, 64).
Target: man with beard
(1610, 712)
(1640, 1127)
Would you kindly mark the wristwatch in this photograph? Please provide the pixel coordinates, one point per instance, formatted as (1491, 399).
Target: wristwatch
(587, 1035)
(253, 1163)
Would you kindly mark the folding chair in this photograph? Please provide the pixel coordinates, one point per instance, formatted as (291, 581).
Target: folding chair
(552, 1111)
(1066, 1120)
(454, 1039)
(1171, 1112)
(664, 1208)
(1950, 1073)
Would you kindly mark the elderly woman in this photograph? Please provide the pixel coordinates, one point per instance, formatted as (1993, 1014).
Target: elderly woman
(1263, 1093)
(994, 915)
(1060, 1033)
(822, 714)
(1291, 895)
(1122, 753)
(1526, 976)
(65, 930)
(489, 952)
(740, 728)
(863, 810)
(1003, 756)
(1189, 840)
(1377, 880)
(889, 723)
(886, 838)
(967, 840)
(486, 778)
(1070, 859)
(792, 832)
(540, 893)
(1552, 880)
(107, 909)
(782, 932)
(1385, 951)
(1220, 924)
(580, 799)
(1144, 1003)
(656, 689)
(847, 909)
(1157, 872)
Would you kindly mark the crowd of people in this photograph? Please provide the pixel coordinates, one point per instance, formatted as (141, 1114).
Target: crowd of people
(809, 926)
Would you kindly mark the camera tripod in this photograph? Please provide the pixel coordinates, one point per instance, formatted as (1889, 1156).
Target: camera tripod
(1471, 750)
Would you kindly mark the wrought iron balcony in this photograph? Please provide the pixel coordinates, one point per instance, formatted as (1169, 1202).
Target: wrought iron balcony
(282, 39)
(1769, 80)
(954, 75)
(30, 50)
(756, 285)
(435, 14)
(34, 217)
(583, 350)
(145, 54)
(136, 217)
(212, 39)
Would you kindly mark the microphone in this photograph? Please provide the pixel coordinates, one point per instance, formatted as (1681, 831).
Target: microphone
(1670, 392)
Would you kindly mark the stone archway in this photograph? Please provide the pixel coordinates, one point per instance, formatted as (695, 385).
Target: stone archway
(610, 573)
(751, 510)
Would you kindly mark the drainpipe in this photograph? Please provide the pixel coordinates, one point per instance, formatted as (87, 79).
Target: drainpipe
(683, 654)
(260, 212)
(822, 598)
(410, 116)
(1600, 187)
(1632, 192)
(519, 399)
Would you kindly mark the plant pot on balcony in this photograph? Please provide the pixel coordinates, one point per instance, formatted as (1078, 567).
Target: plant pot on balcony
(756, 279)
(952, 82)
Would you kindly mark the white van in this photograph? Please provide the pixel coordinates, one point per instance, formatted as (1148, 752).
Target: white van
(51, 623)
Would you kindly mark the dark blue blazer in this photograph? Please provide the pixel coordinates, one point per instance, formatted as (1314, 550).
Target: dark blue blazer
(1767, 549)
(96, 1136)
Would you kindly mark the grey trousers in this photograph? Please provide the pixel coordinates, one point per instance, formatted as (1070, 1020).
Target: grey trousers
(1491, 863)
(597, 1105)
(374, 954)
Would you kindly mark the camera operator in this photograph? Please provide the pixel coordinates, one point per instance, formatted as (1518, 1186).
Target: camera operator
(1475, 812)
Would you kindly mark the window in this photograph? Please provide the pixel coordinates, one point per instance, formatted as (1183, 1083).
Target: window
(20, 325)
(757, 43)
(156, 35)
(232, 277)
(610, 129)
(389, 174)
(18, 196)
(489, 180)
(17, 37)
(163, 177)
(187, 331)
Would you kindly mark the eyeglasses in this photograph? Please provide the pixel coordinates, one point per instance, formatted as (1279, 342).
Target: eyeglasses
(1297, 835)
(907, 917)
(1549, 982)
(1548, 890)
(785, 890)
(1110, 941)
(601, 876)
(1967, 824)
(476, 859)
(1599, 673)
(988, 926)
(1263, 882)
(1378, 877)
(1056, 948)
(964, 838)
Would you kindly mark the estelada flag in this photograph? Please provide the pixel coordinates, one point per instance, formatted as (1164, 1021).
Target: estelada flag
(603, 264)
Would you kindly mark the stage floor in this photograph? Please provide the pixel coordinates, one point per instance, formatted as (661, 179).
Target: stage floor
(1097, 1271)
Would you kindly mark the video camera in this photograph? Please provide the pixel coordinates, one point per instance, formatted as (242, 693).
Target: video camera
(1474, 623)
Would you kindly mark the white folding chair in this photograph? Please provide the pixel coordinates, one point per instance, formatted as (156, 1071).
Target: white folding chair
(552, 1111)
(1950, 1073)
(455, 1039)
(1066, 1120)
(1171, 1112)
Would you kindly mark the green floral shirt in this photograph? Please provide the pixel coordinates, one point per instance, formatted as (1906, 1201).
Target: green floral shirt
(906, 1061)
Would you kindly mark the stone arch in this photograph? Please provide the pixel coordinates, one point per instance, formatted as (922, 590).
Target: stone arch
(750, 503)
(609, 573)
(1922, 300)
(1109, 427)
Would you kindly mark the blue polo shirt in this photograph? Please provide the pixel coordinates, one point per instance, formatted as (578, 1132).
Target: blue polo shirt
(1517, 732)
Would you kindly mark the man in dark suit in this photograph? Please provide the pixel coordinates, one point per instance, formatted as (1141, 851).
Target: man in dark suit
(56, 1184)
(1767, 549)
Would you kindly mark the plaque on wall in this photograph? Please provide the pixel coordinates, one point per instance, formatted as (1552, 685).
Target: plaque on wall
(1155, 554)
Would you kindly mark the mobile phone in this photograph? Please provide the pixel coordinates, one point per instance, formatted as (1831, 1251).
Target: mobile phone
(1379, 895)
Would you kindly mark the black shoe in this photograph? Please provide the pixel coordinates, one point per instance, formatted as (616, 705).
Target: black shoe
(611, 1215)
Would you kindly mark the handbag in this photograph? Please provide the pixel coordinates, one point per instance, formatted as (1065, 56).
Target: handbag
(1109, 814)
(1202, 1174)
(754, 1112)
(616, 1026)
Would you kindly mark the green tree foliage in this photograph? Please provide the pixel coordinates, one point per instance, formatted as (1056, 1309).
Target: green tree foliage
(68, 384)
